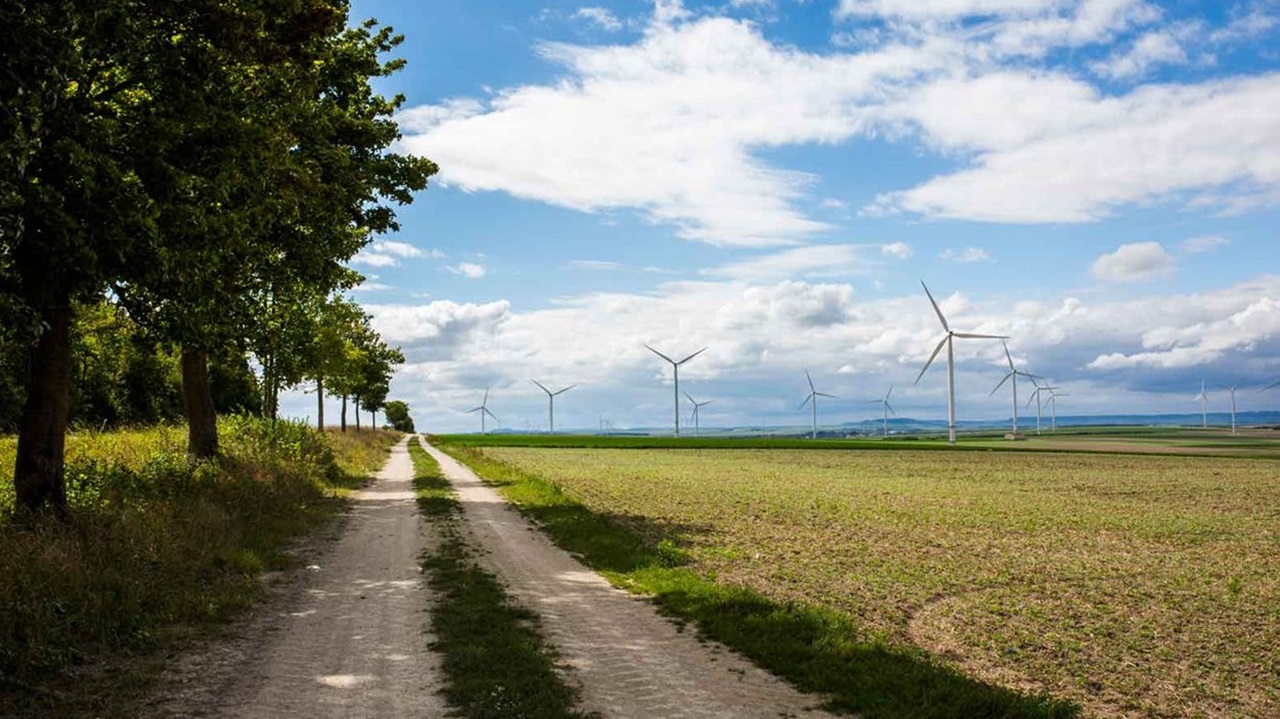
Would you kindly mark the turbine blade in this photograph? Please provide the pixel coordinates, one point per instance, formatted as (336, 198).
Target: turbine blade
(491, 414)
(806, 376)
(972, 336)
(1033, 396)
(566, 389)
(477, 409)
(932, 357)
(890, 408)
(1273, 385)
(659, 354)
(544, 389)
(937, 309)
(997, 389)
(805, 402)
(486, 397)
(691, 399)
(823, 394)
(886, 394)
(695, 354)
(1008, 356)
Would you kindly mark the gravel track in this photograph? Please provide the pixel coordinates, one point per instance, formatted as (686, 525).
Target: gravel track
(629, 661)
(347, 638)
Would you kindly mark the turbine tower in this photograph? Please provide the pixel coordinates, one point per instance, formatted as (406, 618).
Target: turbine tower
(1013, 374)
(1039, 396)
(551, 401)
(888, 410)
(1203, 398)
(949, 341)
(675, 368)
(814, 394)
(1053, 407)
(483, 409)
(697, 431)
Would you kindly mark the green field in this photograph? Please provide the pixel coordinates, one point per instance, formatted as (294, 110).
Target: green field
(1134, 585)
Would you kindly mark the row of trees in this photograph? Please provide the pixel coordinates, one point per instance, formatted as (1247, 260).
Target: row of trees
(209, 165)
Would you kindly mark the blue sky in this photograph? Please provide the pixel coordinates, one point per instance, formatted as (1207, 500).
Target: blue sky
(1098, 179)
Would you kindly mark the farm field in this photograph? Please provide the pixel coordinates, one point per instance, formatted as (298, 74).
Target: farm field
(1139, 586)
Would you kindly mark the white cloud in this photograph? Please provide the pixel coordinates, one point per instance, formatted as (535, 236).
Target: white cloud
(812, 261)
(469, 270)
(967, 255)
(667, 126)
(1133, 262)
(762, 334)
(388, 253)
(600, 17)
(1154, 48)
(1073, 155)
(1204, 243)
(900, 250)
(596, 265)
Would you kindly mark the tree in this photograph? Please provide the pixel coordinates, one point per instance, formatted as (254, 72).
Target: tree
(194, 158)
(398, 415)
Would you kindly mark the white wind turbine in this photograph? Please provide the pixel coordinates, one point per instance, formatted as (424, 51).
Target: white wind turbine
(551, 402)
(1013, 374)
(1038, 397)
(697, 431)
(888, 410)
(814, 394)
(483, 409)
(675, 368)
(1203, 399)
(1053, 407)
(949, 341)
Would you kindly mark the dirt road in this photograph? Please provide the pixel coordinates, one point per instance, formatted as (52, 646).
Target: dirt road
(630, 661)
(347, 641)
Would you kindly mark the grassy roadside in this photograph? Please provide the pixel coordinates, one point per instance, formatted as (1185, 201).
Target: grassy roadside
(155, 551)
(495, 661)
(820, 651)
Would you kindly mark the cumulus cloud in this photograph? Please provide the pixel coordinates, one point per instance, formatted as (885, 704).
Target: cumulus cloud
(900, 250)
(388, 253)
(1133, 262)
(470, 270)
(1152, 49)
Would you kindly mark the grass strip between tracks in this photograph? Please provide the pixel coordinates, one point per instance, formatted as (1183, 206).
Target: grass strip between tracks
(818, 650)
(496, 662)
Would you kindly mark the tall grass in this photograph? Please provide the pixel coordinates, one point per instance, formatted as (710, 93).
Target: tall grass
(154, 542)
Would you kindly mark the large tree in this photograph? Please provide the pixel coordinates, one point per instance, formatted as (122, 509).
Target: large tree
(193, 157)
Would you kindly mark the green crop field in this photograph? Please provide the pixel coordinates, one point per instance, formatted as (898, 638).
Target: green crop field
(1140, 586)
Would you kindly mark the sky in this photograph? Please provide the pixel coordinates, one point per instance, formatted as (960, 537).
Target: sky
(773, 180)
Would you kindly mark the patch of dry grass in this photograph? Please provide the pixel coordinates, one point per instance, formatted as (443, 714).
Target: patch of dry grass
(1139, 586)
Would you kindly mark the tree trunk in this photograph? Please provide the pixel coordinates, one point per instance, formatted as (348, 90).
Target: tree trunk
(357, 414)
(344, 413)
(373, 419)
(320, 403)
(39, 474)
(202, 421)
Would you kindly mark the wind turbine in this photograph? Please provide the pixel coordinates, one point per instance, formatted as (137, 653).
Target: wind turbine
(1039, 396)
(1012, 374)
(949, 341)
(551, 401)
(483, 409)
(814, 394)
(697, 406)
(1232, 389)
(888, 409)
(1203, 397)
(675, 368)
(1053, 407)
